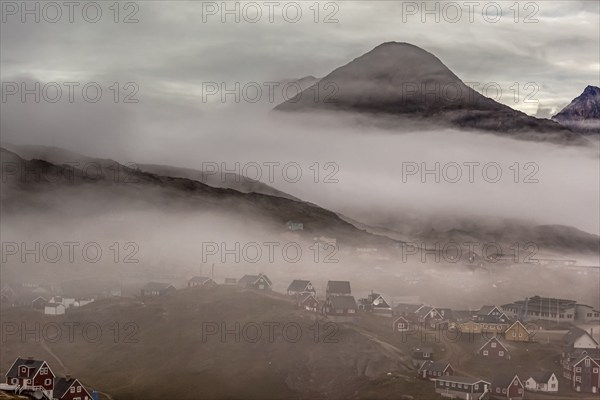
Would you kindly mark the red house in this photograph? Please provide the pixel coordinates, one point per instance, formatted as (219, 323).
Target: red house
(68, 388)
(494, 349)
(508, 387)
(584, 374)
(31, 375)
(308, 302)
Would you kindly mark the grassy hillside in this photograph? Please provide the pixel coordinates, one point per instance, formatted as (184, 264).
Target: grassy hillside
(162, 353)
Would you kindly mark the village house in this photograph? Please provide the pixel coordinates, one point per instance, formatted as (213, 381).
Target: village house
(400, 324)
(517, 333)
(432, 370)
(583, 373)
(460, 387)
(230, 281)
(578, 338)
(65, 301)
(31, 376)
(300, 287)
(258, 282)
(421, 355)
(54, 309)
(337, 288)
(542, 382)
(69, 388)
(491, 314)
(153, 289)
(39, 303)
(308, 301)
(424, 315)
(201, 281)
(474, 328)
(494, 349)
(340, 308)
(507, 387)
(376, 304)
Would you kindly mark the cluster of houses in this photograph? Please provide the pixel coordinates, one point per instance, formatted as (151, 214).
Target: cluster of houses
(41, 298)
(34, 378)
(580, 362)
(503, 386)
(498, 325)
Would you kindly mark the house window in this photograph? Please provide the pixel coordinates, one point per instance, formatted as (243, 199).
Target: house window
(453, 384)
(514, 334)
(520, 334)
(587, 362)
(515, 383)
(351, 311)
(15, 380)
(578, 369)
(553, 386)
(43, 371)
(485, 352)
(23, 370)
(497, 390)
(477, 386)
(520, 391)
(595, 370)
(72, 390)
(501, 353)
(577, 379)
(494, 345)
(47, 381)
(503, 391)
(78, 389)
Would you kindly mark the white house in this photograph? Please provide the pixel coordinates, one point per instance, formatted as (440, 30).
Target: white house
(65, 301)
(54, 309)
(579, 339)
(542, 382)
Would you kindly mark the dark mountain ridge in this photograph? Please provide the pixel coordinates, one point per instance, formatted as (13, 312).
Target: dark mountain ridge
(404, 80)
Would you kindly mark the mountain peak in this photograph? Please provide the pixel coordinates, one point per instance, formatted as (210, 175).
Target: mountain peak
(592, 91)
(583, 113)
(404, 80)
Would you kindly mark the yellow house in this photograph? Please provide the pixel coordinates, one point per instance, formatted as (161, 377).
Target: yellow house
(481, 327)
(517, 333)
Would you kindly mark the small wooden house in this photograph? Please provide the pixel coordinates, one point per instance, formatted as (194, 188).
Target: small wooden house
(432, 370)
(338, 288)
(201, 281)
(494, 349)
(258, 282)
(300, 287)
(542, 382)
(460, 387)
(309, 302)
(508, 387)
(517, 333)
(69, 388)
(153, 289)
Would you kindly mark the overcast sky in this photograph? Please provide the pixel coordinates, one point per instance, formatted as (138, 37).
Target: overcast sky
(177, 45)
